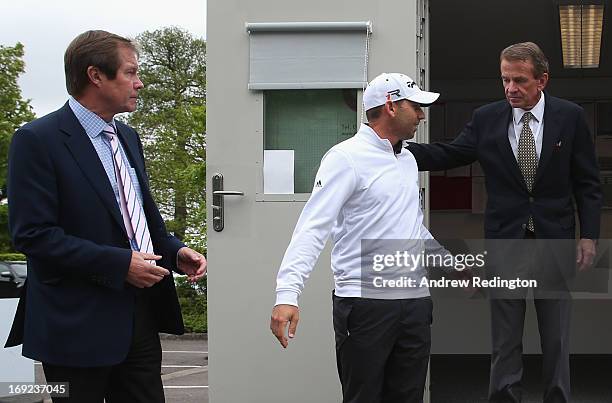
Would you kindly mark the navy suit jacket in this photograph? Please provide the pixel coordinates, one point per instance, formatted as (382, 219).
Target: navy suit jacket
(567, 171)
(77, 309)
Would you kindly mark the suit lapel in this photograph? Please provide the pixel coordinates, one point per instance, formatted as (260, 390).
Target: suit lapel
(550, 136)
(87, 158)
(508, 158)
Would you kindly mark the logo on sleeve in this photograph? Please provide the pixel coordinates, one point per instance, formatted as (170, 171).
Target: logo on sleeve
(318, 184)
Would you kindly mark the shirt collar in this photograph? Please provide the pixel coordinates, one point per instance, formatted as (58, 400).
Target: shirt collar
(370, 135)
(92, 123)
(537, 111)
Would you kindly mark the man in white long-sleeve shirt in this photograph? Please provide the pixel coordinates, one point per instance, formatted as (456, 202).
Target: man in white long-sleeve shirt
(366, 191)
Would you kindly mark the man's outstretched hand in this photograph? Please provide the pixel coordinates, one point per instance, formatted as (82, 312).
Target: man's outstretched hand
(585, 253)
(281, 316)
(192, 263)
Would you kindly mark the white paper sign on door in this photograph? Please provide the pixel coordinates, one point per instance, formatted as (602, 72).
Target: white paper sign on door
(278, 171)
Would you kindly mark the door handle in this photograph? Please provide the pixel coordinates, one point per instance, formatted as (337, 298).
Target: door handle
(218, 204)
(227, 193)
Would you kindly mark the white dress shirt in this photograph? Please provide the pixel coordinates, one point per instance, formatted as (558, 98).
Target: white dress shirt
(536, 125)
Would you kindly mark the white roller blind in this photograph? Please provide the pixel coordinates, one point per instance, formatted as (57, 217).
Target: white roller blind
(307, 55)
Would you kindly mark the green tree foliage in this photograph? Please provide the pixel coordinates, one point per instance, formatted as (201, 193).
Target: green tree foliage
(193, 304)
(14, 111)
(12, 257)
(5, 238)
(171, 120)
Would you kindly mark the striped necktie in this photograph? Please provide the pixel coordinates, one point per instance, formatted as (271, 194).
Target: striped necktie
(131, 209)
(527, 158)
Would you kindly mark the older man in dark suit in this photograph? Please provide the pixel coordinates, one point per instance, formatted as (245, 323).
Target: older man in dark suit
(99, 287)
(537, 155)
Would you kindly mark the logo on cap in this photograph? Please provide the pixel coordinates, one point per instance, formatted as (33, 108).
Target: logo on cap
(394, 92)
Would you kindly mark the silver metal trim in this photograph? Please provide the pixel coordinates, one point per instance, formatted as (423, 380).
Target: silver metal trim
(308, 26)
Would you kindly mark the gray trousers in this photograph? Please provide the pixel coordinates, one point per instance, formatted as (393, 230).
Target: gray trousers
(507, 322)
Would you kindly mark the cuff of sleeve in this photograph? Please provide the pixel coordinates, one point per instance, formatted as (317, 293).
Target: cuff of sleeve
(121, 260)
(445, 256)
(286, 298)
(175, 246)
(176, 263)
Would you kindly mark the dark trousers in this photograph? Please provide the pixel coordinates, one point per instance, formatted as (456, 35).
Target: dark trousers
(137, 379)
(382, 348)
(507, 321)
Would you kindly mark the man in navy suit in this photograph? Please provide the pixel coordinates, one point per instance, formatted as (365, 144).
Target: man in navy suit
(97, 295)
(537, 155)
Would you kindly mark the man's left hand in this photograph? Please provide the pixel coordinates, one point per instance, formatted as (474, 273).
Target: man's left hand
(585, 253)
(192, 263)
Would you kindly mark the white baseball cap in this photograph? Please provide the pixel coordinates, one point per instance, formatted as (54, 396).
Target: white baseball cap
(395, 86)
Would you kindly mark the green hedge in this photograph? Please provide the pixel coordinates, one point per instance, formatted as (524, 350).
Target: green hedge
(15, 257)
(192, 298)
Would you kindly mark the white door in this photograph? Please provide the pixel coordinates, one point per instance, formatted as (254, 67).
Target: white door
(246, 363)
